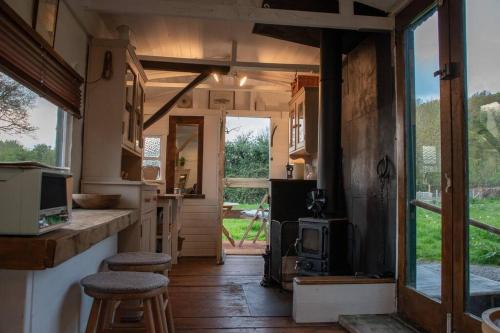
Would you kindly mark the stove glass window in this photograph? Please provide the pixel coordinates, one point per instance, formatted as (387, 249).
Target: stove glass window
(311, 241)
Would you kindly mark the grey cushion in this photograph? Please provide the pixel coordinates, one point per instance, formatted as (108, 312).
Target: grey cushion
(139, 259)
(123, 282)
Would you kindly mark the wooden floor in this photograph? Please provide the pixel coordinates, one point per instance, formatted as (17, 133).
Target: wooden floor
(228, 298)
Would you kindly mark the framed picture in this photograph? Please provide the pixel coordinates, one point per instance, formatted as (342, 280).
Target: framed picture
(45, 18)
(221, 99)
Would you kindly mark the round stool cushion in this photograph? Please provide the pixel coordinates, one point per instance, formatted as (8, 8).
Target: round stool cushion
(139, 259)
(123, 282)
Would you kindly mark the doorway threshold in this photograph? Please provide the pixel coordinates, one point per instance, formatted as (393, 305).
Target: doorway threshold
(375, 323)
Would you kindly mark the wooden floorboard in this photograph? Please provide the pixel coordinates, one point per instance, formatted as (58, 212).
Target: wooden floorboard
(211, 298)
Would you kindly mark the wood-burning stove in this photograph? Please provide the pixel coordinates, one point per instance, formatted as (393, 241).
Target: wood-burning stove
(322, 246)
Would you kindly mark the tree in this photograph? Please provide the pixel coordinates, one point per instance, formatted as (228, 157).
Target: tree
(15, 103)
(247, 157)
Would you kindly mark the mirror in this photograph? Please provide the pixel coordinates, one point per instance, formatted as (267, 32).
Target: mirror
(185, 155)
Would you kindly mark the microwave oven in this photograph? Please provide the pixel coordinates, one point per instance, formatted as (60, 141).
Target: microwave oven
(34, 198)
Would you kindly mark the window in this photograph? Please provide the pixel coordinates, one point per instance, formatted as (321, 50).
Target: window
(483, 150)
(151, 164)
(31, 127)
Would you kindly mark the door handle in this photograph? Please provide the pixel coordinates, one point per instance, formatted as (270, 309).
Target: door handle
(448, 182)
(447, 72)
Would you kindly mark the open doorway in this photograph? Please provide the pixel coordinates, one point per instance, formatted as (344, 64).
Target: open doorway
(246, 209)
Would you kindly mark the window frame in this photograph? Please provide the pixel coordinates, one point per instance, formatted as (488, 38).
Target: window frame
(160, 158)
(64, 128)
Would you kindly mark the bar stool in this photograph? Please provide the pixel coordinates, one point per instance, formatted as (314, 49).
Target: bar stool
(145, 262)
(110, 288)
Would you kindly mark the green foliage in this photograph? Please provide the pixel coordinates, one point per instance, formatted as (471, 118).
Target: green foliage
(244, 195)
(483, 142)
(15, 103)
(13, 151)
(247, 157)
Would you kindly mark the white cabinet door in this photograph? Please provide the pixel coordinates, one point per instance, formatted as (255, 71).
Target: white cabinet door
(148, 231)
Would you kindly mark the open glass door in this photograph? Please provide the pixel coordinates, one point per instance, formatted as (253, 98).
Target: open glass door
(425, 288)
(482, 117)
(424, 233)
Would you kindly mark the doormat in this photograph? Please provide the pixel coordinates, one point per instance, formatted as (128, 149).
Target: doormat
(374, 324)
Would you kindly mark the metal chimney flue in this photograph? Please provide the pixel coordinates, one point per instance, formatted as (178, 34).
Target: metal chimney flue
(330, 123)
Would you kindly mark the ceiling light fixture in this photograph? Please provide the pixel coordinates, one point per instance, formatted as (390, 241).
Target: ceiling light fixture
(216, 77)
(243, 80)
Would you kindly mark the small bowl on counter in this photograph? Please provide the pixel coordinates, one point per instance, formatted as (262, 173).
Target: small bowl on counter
(97, 201)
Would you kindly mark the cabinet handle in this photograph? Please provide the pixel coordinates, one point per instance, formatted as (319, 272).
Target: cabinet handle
(147, 199)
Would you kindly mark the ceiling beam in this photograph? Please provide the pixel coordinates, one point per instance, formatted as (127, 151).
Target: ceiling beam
(178, 85)
(184, 67)
(236, 65)
(172, 102)
(346, 7)
(241, 13)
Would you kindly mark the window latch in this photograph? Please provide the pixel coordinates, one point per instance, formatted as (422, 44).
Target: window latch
(446, 73)
(448, 183)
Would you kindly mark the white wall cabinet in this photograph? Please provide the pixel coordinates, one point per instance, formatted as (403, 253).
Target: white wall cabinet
(303, 123)
(113, 113)
(112, 150)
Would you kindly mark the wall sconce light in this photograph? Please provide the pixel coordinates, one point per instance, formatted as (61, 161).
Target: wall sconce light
(243, 80)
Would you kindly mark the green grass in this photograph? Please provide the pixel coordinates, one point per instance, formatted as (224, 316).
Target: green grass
(237, 227)
(484, 246)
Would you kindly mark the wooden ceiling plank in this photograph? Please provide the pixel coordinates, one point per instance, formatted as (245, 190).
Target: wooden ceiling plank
(242, 13)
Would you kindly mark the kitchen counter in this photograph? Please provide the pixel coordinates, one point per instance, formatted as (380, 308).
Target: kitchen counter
(40, 275)
(87, 227)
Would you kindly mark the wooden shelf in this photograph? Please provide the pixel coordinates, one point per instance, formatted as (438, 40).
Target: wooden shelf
(322, 280)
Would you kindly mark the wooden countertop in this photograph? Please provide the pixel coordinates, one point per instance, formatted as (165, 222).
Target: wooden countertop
(87, 228)
(169, 196)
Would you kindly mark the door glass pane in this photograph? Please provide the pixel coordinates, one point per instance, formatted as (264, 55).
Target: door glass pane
(483, 111)
(292, 129)
(424, 158)
(301, 122)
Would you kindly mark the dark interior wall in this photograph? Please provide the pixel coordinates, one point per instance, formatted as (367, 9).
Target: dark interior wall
(368, 134)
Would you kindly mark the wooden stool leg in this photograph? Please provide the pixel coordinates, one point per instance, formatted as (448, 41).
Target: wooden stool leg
(149, 316)
(93, 316)
(160, 314)
(168, 313)
(103, 315)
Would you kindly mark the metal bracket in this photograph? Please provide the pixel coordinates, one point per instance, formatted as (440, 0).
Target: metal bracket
(447, 72)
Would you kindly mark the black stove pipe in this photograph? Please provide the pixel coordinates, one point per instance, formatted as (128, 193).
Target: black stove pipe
(330, 124)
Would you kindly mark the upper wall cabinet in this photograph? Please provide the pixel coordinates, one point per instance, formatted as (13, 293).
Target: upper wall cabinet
(114, 112)
(303, 123)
